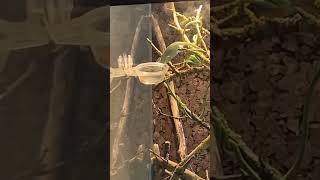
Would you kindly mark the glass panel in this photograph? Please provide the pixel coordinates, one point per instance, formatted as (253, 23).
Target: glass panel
(130, 100)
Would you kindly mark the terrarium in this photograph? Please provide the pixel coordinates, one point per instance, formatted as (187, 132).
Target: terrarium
(156, 51)
(130, 100)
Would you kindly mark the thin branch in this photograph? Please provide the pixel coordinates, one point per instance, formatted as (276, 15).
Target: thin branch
(181, 167)
(183, 107)
(171, 165)
(227, 177)
(176, 21)
(19, 81)
(199, 32)
(207, 60)
(154, 47)
(159, 111)
(173, 105)
(116, 86)
(227, 18)
(225, 6)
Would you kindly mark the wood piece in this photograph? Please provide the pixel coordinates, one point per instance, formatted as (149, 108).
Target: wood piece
(173, 104)
(182, 166)
(171, 165)
(178, 124)
(158, 33)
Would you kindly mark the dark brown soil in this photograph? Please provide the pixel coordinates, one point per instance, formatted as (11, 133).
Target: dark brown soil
(260, 83)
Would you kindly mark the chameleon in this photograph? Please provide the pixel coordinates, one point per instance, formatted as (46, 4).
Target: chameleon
(171, 51)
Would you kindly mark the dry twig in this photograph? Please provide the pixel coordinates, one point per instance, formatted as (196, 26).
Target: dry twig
(174, 107)
(181, 167)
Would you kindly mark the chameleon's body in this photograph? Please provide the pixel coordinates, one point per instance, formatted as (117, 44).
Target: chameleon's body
(171, 51)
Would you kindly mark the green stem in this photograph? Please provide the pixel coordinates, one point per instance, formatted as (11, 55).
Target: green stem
(305, 126)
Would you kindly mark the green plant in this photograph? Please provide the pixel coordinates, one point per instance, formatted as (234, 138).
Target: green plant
(199, 51)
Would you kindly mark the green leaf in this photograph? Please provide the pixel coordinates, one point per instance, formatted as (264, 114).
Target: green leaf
(194, 59)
